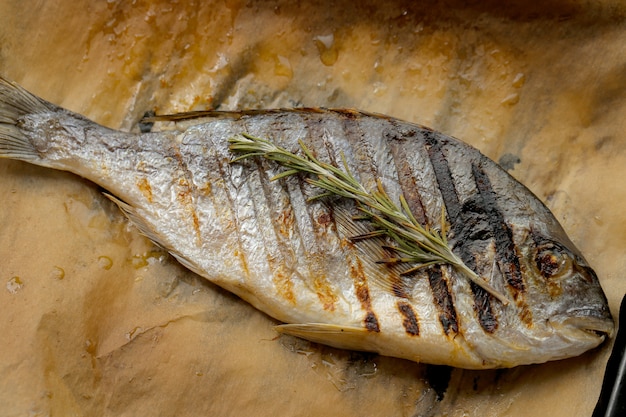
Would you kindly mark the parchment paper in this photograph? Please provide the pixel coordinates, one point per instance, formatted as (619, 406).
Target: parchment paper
(97, 321)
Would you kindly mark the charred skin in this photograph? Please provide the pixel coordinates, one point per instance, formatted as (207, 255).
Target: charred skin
(294, 260)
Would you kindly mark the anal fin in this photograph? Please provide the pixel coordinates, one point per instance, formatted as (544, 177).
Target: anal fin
(343, 337)
(131, 213)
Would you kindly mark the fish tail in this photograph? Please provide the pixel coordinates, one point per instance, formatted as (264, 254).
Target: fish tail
(15, 102)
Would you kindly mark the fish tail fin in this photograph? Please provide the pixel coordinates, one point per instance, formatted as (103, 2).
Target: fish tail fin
(16, 102)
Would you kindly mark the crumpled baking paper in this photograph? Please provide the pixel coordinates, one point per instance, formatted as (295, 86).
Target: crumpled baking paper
(95, 320)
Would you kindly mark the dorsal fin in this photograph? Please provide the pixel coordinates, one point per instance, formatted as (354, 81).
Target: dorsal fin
(237, 114)
(178, 117)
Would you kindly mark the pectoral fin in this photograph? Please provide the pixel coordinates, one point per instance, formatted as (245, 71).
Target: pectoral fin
(372, 250)
(343, 337)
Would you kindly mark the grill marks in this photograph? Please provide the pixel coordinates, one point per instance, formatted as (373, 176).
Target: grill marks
(352, 133)
(506, 252)
(363, 294)
(187, 190)
(442, 296)
(406, 176)
(439, 286)
(368, 162)
(409, 318)
(482, 307)
(225, 171)
(482, 302)
(443, 300)
(503, 237)
(302, 232)
(367, 167)
(444, 178)
(479, 219)
(283, 223)
(321, 219)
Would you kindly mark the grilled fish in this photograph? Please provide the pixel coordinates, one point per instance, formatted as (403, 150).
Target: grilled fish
(294, 258)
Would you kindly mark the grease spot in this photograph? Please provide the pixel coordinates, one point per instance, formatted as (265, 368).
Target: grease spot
(510, 100)
(136, 331)
(327, 49)
(519, 80)
(14, 285)
(105, 262)
(282, 67)
(57, 273)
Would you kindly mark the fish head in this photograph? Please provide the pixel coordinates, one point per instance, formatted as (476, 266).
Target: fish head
(564, 288)
(561, 310)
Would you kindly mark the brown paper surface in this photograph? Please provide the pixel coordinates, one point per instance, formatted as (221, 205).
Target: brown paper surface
(97, 321)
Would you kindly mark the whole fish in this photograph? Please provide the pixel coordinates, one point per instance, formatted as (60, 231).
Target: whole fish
(296, 258)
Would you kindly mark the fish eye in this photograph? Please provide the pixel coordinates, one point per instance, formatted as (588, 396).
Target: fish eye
(551, 261)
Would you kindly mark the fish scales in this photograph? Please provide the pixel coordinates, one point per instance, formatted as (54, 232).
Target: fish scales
(294, 258)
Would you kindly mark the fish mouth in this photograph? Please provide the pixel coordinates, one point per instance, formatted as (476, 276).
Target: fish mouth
(585, 325)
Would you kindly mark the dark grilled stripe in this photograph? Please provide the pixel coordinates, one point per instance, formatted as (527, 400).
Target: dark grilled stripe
(450, 197)
(409, 320)
(503, 237)
(482, 307)
(482, 303)
(397, 139)
(363, 294)
(371, 322)
(439, 286)
(354, 134)
(443, 300)
(444, 177)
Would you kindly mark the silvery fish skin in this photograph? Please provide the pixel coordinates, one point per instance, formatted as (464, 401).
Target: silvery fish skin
(294, 260)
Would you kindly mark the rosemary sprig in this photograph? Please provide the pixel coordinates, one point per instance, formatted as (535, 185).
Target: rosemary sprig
(414, 243)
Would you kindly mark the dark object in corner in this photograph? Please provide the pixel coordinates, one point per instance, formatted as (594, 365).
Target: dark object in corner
(612, 401)
(438, 377)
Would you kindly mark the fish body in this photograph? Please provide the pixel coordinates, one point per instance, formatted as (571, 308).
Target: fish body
(294, 258)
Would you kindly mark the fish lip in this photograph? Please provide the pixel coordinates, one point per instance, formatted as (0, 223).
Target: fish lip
(587, 322)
